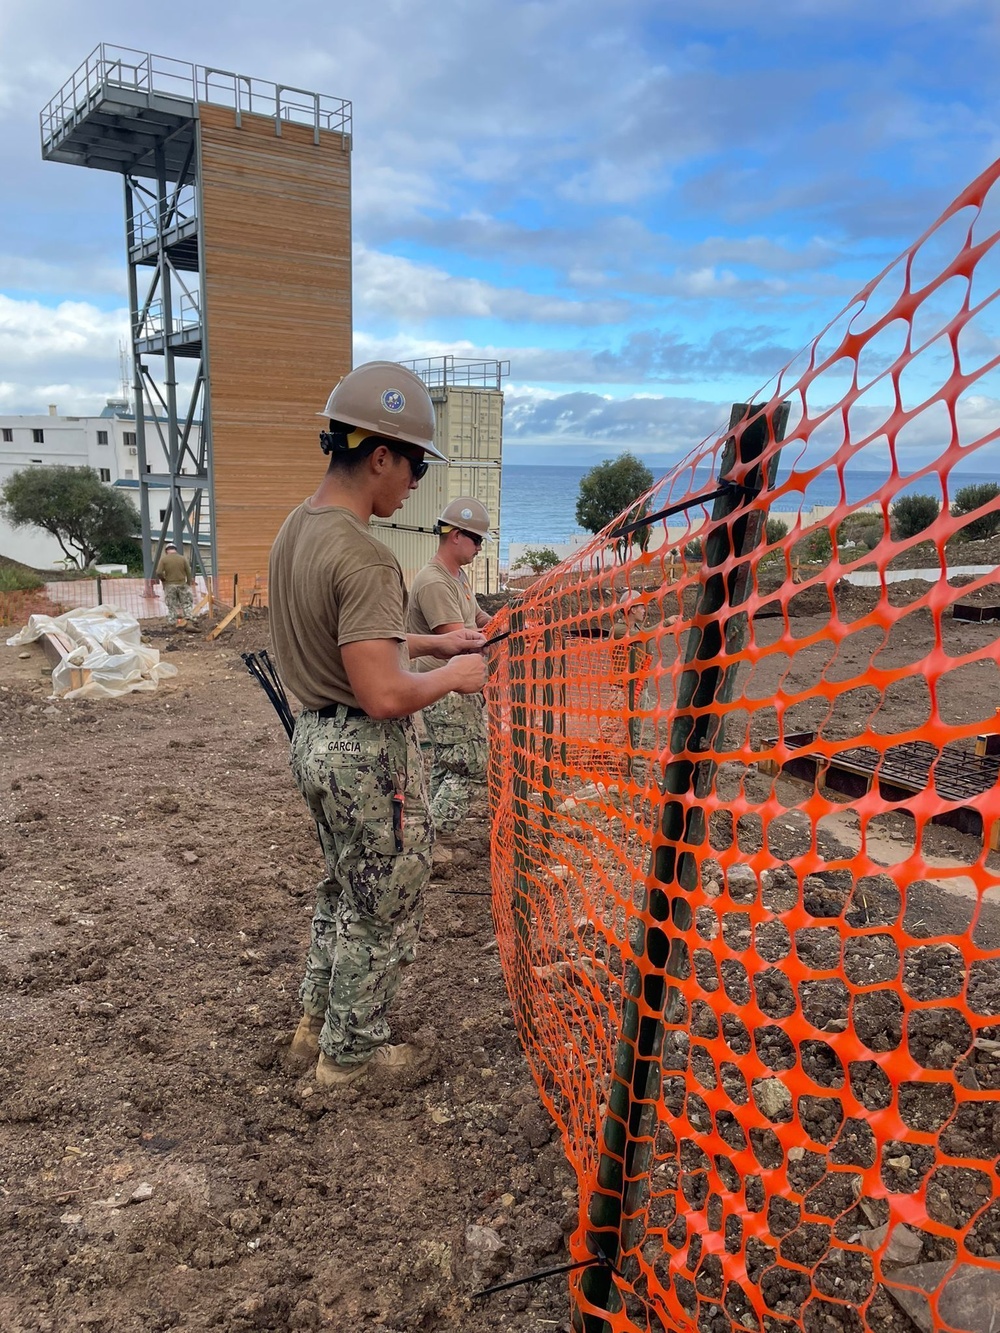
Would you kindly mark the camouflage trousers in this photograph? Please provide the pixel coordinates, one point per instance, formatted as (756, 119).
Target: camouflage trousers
(179, 599)
(456, 727)
(352, 772)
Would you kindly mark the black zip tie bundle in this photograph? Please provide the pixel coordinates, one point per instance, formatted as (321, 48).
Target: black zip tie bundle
(600, 1259)
(262, 669)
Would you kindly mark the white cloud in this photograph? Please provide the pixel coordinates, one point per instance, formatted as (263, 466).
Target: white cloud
(662, 192)
(65, 353)
(410, 292)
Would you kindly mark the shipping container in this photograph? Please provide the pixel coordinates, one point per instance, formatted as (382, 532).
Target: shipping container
(469, 430)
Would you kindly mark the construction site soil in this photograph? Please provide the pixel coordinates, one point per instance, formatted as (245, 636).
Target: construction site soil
(161, 1166)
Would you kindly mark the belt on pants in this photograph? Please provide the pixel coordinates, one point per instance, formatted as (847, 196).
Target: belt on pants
(340, 710)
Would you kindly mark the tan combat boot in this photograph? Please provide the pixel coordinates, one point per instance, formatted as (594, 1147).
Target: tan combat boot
(305, 1043)
(330, 1074)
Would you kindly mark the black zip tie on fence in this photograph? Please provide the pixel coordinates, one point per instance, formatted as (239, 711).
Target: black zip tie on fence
(262, 669)
(617, 533)
(724, 488)
(599, 1259)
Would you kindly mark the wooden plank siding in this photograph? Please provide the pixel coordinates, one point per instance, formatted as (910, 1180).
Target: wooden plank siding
(276, 250)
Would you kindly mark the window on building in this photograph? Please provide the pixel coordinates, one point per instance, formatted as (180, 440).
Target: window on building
(129, 438)
(36, 460)
(129, 474)
(105, 474)
(163, 514)
(37, 436)
(8, 435)
(102, 437)
(149, 467)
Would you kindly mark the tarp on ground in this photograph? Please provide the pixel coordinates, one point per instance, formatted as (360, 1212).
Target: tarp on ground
(104, 653)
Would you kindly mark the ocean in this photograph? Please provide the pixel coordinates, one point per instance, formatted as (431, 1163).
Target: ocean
(537, 504)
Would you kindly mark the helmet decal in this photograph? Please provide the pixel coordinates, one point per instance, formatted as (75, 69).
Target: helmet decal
(393, 400)
(467, 512)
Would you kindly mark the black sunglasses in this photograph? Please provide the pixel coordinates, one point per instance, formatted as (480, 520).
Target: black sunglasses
(418, 466)
(472, 536)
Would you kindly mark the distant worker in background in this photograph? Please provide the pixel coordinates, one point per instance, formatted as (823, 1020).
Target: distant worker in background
(174, 572)
(441, 602)
(338, 626)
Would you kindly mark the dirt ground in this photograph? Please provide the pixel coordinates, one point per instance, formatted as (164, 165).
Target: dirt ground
(161, 1168)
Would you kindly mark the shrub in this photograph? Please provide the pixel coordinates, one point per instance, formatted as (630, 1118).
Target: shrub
(865, 529)
(967, 501)
(775, 529)
(912, 514)
(15, 578)
(692, 551)
(125, 552)
(815, 548)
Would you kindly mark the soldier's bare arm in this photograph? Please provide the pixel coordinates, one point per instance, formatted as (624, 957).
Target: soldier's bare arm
(384, 690)
(445, 643)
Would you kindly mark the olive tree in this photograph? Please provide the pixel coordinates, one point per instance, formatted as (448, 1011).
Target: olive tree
(73, 504)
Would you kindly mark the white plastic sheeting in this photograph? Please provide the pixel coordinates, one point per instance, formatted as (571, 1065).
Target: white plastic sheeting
(105, 654)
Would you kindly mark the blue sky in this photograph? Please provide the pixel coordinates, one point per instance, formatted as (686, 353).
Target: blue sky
(648, 208)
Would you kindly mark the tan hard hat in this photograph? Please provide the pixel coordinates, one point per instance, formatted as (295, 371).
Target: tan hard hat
(467, 513)
(386, 399)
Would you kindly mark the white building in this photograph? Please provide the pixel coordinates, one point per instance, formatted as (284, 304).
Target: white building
(107, 443)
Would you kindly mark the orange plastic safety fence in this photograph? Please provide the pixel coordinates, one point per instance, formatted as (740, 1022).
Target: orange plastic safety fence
(745, 884)
(141, 599)
(16, 607)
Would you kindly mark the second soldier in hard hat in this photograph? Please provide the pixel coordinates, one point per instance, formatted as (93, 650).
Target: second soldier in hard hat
(441, 602)
(338, 626)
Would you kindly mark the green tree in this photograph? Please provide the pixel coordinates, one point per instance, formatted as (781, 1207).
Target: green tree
(539, 559)
(609, 489)
(968, 500)
(775, 529)
(912, 514)
(73, 504)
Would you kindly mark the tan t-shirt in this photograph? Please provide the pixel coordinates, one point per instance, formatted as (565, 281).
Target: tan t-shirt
(173, 568)
(330, 582)
(438, 598)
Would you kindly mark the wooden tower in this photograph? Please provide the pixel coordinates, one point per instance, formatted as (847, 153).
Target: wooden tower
(238, 238)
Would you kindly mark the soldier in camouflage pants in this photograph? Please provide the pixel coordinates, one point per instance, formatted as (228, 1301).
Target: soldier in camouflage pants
(174, 572)
(352, 771)
(179, 600)
(338, 627)
(456, 727)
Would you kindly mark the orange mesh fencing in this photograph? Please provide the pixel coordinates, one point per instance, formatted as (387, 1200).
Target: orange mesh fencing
(17, 607)
(141, 599)
(745, 818)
